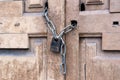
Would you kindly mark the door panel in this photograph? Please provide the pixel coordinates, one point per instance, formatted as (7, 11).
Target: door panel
(114, 6)
(20, 41)
(24, 64)
(15, 8)
(34, 5)
(91, 5)
(25, 41)
(28, 23)
(98, 37)
(96, 64)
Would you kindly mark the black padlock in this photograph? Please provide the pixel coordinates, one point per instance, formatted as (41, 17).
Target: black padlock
(56, 45)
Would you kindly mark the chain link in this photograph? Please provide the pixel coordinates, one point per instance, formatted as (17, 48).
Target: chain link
(50, 24)
(67, 29)
(63, 56)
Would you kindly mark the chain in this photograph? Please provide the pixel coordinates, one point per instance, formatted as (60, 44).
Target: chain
(50, 24)
(67, 29)
(63, 56)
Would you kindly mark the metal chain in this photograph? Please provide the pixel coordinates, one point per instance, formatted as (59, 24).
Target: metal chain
(50, 24)
(66, 30)
(52, 28)
(63, 56)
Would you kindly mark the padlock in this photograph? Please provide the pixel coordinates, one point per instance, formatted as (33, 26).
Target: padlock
(56, 45)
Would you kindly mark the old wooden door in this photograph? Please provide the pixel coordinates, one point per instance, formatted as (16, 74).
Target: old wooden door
(93, 49)
(24, 40)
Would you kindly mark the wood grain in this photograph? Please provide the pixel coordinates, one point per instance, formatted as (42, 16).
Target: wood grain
(92, 7)
(11, 8)
(114, 6)
(24, 67)
(34, 3)
(26, 24)
(57, 15)
(110, 41)
(34, 6)
(72, 40)
(99, 64)
(14, 41)
(90, 54)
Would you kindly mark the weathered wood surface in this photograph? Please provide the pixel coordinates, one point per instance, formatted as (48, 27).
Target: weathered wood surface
(18, 68)
(11, 8)
(111, 41)
(90, 53)
(33, 6)
(32, 67)
(36, 62)
(57, 15)
(98, 22)
(14, 41)
(82, 58)
(34, 3)
(92, 7)
(28, 23)
(39, 64)
(114, 6)
(72, 38)
(93, 63)
(96, 64)
(14, 20)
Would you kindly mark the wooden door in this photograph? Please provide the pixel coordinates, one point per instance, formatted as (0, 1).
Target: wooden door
(25, 41)
(93, 49)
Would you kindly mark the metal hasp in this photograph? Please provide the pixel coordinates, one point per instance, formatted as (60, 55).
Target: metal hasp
(58, 44)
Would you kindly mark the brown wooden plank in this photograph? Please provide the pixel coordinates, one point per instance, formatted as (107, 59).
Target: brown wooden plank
(25, 24)
(100, 65)
(25, 67)
(17, 68)
(110, 41)
(93, 5)
(33, 6)
(41, 61)
(98, 22)
(90, 54)
(72, 56)
(34, 3)
(72, 10)
(116, 69)
(114, 6)
(11, 8)
(82, 59)
(102, 68)
(14, 41)
(98, 62)
(72, 40)
(57, 15)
